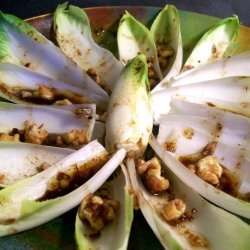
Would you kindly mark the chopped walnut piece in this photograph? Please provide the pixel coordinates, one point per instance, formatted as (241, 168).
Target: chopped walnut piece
(83, 112)
(151, 72)
(35, 134)
(92, 73)
(188, 133)
(209, 169)
(63, 102)
(54, 140)
(45, 93)
(6, 137)
(98, 211)
(152, 75)
(64, 180)
(151, 171)
(164, 52)
(192, 168)
(174, 209)
(43, 166)
(171, 145)
(25, 94)
(75, 137)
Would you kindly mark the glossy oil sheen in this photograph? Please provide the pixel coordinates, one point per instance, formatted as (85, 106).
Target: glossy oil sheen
(59, 233)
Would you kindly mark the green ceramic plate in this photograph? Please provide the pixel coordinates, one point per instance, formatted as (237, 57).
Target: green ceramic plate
(59, 233)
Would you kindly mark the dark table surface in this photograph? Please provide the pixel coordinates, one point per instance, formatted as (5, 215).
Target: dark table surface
(219, 8)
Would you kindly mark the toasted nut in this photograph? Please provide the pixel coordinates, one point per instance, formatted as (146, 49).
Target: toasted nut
(25, 94)
(164, 52)
(63, 102)
(76, 137)
(151, 171)
(209, 169)
(141, 166)
(6, 137)
(151, 72)
(188, 133)
(98, 211)
(35, 134)
(192, 168)
(46, 93)
(174, 209)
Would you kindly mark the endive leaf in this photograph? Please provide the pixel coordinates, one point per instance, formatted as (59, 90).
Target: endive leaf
(129, 117)
(228, 135)
(21, 45)
(15, 79)
(13, 195)
(118, 188)
(133, 38)
(237, 65)
(229, 232)
(22, 160)
(73, 34)
(55, 121)
(167, 35)
(230, 93)
(19, 208)
(214, 43)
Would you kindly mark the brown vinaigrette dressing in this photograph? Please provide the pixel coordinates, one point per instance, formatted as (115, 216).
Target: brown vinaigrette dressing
(73, 177)
(195, 239)
(229, 183)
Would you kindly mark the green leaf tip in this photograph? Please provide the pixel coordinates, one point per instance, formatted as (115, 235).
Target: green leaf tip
(19, 25)
(4, 47)
(231, 22)
(72, 14)
(139, 68)
(126, 15)
(132, 21)
(169, 7)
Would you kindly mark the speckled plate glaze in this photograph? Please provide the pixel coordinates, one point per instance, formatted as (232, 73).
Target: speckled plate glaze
(59, 233)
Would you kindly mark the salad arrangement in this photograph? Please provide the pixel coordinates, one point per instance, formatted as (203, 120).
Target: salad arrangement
(80, 131)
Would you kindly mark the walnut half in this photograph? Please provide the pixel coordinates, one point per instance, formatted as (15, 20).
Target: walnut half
(151, 173)
(174, 209)
(98, 211)
(209, 169)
